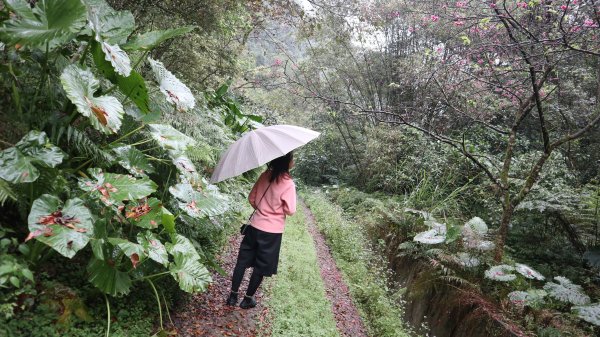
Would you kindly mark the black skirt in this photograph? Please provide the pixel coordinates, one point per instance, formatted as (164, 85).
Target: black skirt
(260, 250)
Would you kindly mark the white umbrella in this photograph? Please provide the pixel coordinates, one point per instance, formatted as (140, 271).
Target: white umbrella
(259, 147)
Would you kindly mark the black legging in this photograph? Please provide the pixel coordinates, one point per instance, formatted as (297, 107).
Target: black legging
(238, 275)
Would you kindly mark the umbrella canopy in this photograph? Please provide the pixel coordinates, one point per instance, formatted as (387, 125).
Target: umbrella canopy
(259, 147)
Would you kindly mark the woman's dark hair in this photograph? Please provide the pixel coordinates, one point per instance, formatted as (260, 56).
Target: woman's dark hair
(280, 165)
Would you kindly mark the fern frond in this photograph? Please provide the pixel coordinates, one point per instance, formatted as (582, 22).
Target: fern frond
(458, 281)
(201, 153)
(6, 192)
(87, 147)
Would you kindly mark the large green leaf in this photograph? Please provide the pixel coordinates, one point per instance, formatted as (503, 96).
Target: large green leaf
(187, 269)
(50, 23)
(17, 163)
(35, 144)
(105, 112)
(107, 278)
(17, 168)
(182, 245)
(109, 25)
(184, 165)
(149, 40)
(67, 229)
(133, 160)
(133, 251)
(190, 273)
(170, 138)
(199, 203)
(174, 90)
(153, 248)
(132, 86)
(145, 213)
(129, 248)
(113, 188)
(168, 221)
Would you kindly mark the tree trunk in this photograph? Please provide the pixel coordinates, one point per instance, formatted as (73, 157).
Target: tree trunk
(507, 213)
(571, 232)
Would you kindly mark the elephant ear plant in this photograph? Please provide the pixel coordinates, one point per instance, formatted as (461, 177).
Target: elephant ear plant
(84, 186)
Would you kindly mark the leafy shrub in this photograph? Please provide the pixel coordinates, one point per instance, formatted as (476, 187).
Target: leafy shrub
(97, 179)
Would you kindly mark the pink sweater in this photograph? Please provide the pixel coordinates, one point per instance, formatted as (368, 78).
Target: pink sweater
(279, 201)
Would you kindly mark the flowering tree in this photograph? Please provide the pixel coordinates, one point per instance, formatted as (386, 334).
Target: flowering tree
(523, 72)
(505, 66)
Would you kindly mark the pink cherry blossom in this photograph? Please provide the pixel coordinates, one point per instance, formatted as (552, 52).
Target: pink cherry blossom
(564, 7)
(589, 23)
(459, 23)
(278, 62)
(522, 4)
(434, 18)
(461, 4)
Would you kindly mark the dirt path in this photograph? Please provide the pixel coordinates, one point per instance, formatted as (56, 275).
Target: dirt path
(346, 315)
(207, 315)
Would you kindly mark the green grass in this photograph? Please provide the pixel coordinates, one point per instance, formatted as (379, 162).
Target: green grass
(299, 306)
(382, 315)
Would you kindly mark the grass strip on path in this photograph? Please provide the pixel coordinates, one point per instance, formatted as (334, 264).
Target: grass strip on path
(297, 298)
(346, 240)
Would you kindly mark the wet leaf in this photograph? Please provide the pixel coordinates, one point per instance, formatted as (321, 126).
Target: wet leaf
(113, 188)
(198, 204)
(153, 247)
(170, 138)
(146, 213)
(105, 112)
(66, 228)
(107, 278)
(19, 164)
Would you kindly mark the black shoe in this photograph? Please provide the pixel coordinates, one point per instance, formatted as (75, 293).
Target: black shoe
(248, 302)
(232, 299)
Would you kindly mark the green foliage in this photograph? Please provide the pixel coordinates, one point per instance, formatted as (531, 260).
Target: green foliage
(16, 279)
(150, 40)
(48, 25)
(90, 178)
(231, 109)
(566, 291)
(589, 313)
(17, 163)
(187, 270)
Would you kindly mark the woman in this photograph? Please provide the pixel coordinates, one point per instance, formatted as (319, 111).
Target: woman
(272, 197)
